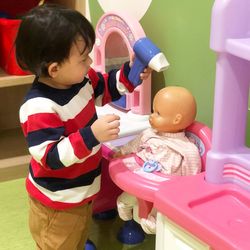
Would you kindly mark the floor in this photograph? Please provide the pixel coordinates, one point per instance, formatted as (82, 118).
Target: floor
(14, 229)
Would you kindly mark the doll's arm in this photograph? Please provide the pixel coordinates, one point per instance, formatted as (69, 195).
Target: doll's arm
(131, 147)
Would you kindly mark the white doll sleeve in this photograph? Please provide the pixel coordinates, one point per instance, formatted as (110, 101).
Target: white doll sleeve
(132, 146)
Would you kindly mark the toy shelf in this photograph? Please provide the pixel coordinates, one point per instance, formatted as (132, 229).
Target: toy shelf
(239, 47)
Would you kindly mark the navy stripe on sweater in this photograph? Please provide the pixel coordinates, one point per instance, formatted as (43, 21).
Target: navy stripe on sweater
(59, 96)
(99, 89)
(53, 160)
(47, 134)
(88, 137)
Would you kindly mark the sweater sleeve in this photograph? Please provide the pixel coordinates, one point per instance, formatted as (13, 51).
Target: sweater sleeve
(47, 143)
(110, 86)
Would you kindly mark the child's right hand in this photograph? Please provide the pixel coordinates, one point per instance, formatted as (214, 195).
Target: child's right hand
(106, 128)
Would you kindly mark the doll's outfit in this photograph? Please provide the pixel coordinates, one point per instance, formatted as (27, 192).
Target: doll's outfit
(176, 154)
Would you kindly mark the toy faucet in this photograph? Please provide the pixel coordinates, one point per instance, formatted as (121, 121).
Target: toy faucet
(147, 54)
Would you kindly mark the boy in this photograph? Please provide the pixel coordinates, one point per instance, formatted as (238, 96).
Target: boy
(60, 124)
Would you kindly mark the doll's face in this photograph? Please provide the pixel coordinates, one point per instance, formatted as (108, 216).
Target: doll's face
(174, 109)
(161, 118)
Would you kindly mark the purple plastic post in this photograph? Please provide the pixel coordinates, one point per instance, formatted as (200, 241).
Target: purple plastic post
(229, 158)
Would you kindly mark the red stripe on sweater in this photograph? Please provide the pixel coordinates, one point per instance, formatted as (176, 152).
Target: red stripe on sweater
(123, 79)
(81, 119)
(80, 149)
(94, 78)
(106, 95)
(41, 121)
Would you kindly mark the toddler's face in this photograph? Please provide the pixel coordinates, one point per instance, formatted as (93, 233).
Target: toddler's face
(74, 69)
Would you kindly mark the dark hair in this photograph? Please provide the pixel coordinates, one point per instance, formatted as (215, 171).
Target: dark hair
(46, 35)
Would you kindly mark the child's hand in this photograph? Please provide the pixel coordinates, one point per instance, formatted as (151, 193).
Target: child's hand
(147, 71)
(106, 128)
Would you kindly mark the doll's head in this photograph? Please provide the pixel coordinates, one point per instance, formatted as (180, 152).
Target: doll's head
(174, 109)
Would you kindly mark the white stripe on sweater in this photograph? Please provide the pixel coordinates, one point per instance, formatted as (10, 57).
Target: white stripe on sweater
(65, 151)
(44, 105)
(67, 155)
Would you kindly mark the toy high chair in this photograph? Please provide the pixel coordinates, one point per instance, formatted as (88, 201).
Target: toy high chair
(212, 210)
(128, 175)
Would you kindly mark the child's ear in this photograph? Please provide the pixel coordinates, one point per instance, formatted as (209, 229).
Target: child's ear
(177, 119)
(53, 69)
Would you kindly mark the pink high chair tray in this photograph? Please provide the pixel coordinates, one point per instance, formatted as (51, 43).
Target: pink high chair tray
(128, 175)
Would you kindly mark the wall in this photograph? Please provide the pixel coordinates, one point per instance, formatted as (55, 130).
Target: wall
(181, 28)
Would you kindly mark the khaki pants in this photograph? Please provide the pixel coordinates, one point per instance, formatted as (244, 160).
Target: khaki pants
(59, 229)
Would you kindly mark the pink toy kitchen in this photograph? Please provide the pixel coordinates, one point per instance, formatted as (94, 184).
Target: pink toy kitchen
(211, 210)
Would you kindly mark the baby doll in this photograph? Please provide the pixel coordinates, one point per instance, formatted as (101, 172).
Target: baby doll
(164, 144)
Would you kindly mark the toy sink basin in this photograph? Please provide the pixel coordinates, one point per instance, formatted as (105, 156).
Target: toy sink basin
(235, 210)
(218, 214)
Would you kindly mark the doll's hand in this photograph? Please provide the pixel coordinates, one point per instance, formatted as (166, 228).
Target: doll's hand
(117, 154)
(106, 128)
(147, 71)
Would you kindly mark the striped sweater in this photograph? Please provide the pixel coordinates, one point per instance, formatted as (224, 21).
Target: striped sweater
(65, 166)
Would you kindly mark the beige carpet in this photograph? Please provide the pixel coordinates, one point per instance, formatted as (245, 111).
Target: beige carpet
(13, 217)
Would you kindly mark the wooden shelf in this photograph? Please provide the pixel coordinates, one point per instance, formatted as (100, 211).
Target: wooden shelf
(13, 147)
(14, 156)
(12, 143)
(11, 80)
